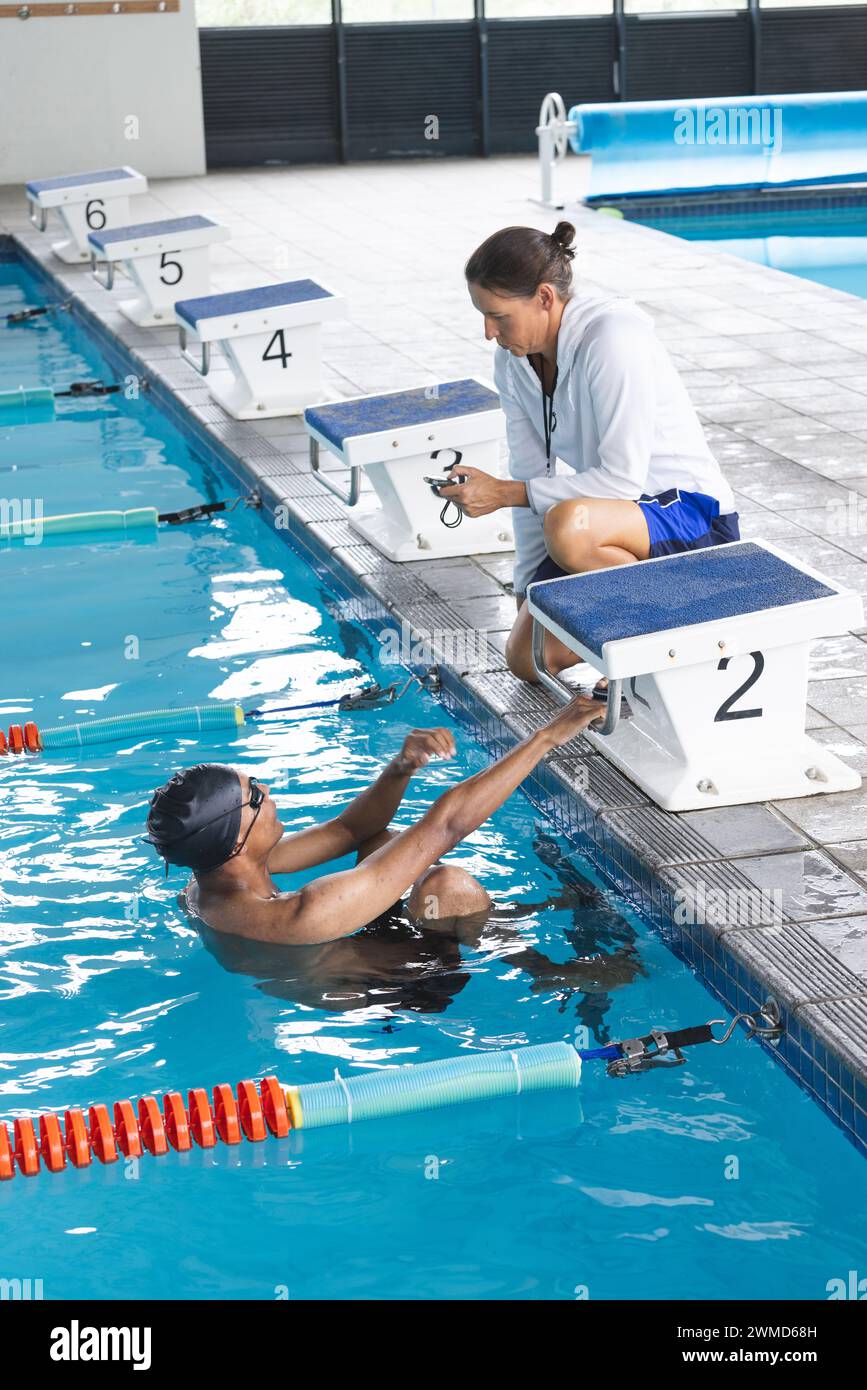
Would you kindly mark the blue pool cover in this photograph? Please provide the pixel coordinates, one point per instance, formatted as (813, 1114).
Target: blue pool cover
(722, 142)
(74, 180)
(142, 229)
(681, 590)
(211, 306)
(423, 404)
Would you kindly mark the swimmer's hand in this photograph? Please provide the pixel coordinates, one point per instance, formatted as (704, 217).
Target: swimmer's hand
(573, 719)
(421, 745)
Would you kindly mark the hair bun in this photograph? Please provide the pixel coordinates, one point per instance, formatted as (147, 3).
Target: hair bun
(563, 236)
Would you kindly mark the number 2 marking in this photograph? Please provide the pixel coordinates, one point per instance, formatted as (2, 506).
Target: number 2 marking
(725, 710)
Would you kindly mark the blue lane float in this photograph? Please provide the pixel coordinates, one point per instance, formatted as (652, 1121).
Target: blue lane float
(27, 405)
(790, 139)
(193, 719)
(31, 529)
(429, 1085)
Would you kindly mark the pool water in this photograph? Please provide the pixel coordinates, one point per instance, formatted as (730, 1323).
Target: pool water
(828, 245)
(716, 1179)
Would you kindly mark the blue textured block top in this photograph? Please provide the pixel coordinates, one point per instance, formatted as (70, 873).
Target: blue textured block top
(211, 306)
(143, 229)
(698, 586)
(75, 180)
(344, 420)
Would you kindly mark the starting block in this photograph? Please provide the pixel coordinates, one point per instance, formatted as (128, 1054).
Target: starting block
(710, 649)
(84, 203)
(161, 258)
(399, 439)
(271, 337)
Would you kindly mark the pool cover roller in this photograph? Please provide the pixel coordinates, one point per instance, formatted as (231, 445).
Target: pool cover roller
(788, 139)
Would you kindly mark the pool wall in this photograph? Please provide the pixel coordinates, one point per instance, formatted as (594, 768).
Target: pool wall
(662, 864)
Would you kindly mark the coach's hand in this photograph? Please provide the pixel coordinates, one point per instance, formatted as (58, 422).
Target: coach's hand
(482, 494)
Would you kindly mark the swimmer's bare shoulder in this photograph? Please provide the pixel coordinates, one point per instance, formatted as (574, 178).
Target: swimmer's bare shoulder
(240, 912)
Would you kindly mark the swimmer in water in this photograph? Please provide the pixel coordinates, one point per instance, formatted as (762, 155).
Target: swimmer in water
(223, 825)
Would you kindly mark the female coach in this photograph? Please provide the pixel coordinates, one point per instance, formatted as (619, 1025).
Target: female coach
(583, 379)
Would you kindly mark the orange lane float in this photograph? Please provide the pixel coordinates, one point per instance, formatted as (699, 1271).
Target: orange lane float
(250, 1112)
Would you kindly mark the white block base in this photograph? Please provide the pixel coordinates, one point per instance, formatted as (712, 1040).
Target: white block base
(779, 774)
(69, 253)
(482, 535)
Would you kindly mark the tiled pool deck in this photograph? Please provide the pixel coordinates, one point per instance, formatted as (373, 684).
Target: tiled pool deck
(777, 368)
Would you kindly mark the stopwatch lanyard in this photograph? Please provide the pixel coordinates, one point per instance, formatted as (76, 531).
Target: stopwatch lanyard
(549, 419)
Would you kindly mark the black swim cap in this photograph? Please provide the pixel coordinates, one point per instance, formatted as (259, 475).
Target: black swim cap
(195, 818)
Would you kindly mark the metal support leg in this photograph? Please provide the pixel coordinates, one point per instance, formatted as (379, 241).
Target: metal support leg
(203, 364)
(351, 497)
(563, 692)
(38, 216)
(108, 282)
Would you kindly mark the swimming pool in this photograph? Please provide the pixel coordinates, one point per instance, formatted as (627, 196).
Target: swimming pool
(823, 239)
(704, 1181)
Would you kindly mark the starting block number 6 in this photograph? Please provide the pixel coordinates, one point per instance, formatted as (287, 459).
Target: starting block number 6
(94, 214)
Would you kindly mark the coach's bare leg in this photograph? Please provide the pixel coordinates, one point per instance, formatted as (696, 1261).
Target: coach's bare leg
(587, 533)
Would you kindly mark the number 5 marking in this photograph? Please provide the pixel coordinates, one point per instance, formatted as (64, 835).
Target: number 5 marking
(725, 710)
(176, 265)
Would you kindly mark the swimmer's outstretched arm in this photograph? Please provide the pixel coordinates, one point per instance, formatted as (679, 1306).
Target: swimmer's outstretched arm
(368, 814)
(338, 904)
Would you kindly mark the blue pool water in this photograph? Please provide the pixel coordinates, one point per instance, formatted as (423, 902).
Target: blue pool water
(717, 1179)
(828, 245)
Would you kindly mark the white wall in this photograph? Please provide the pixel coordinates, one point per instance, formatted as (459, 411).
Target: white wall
(69, 85)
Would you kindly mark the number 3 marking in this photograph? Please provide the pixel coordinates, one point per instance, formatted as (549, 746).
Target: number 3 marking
(725, 710)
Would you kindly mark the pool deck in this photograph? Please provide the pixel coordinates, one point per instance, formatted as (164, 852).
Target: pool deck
(777, 369)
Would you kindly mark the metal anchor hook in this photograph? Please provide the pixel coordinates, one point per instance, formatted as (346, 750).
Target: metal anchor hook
(765, 1023)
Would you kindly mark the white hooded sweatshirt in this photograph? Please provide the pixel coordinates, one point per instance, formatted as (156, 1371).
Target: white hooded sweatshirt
(625, 423)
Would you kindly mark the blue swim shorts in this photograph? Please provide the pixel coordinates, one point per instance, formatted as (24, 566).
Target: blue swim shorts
(676, 521)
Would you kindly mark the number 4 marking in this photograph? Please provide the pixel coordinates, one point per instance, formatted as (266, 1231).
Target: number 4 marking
(725, 710)
(281, 354)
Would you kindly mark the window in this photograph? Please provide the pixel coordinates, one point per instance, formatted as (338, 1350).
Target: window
(683, 6)
(393, 11)
(546, 9)
(219, 14)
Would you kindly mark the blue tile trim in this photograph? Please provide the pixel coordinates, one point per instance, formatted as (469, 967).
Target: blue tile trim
(822, 1074)
(762, 200)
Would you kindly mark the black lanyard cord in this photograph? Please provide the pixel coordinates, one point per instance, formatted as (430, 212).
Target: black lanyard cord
(549, 419)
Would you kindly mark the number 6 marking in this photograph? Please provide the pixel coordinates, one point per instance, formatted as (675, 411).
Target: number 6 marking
(725, 710)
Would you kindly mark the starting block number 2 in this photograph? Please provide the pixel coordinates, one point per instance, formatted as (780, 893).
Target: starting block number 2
(726, 710)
